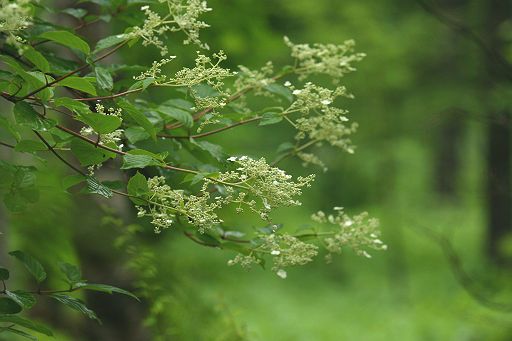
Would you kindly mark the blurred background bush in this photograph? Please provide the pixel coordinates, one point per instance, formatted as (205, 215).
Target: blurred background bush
(432, 163)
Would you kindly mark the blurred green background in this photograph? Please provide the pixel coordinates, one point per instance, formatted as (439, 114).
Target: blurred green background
(432, 163)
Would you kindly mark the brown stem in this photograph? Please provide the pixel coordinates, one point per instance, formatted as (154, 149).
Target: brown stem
(212, 131)
(76, 169)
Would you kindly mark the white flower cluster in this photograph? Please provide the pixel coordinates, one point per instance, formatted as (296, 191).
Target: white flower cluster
(206, 71)
(359, 232)
(319, 120)
(284, 249)
(182, 15)
(165, 204)
(15, 16)
(329, 59)
(270, 185)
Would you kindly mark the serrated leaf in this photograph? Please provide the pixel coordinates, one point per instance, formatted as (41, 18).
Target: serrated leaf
(139, 161)
(138, 117)
(71, 104)
(33, 266)
(67, 39)
(136, 134)
(213, 149)
(105, 288)
(23, 298)
(109, 42)
(8, 306)
(89, 154)
(72, 180)
(72, 272)
(26, 115)
(78, 83)
(26, 323)
(104, 78)
(96, 187)
(138, 187)
(76, 304)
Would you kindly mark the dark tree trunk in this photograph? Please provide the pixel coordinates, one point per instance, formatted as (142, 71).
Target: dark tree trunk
(498, 134)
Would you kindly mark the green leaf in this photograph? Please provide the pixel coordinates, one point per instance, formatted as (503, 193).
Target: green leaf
(136, 134)
(10, 127)
(179, 103)
(104, 78)
(89, 154)
(23, 298)
(21, 333)
(281, 91)
(139, 161)
(67, 39)
(109, 42)
(25, 323)
(105, 288)
(30, 146)
(36, 58)
(213, 149)
(71, 104)
(8, 306)
(4, 274)
(78, 83)
(270, 118)
(75, 12)
(138, 117)
(22, 188)
(33, 266)
(179, 115)
(101, 123)
(138, 186)
(96, 187)
(72, 272)
(75, 304)
(71, 180)
(26, 115)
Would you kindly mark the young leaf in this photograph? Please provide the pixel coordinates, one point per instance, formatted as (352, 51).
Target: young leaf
(25, 323)
(104, 78)
(105, 288)
(67, 39)
(4, 274)
(95, 186)
(138, 186)
(270, 118)
(281, 91)
(23, 298)
(76, 304)
(21, 333)
(78, 83)
(33, 266)
(71, 104)
(102, 124)
(8, 306)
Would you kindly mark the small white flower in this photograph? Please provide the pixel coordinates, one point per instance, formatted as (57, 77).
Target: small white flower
(287, 83)
(326, 102)
(275, 253)
(296, 92)
(281, 273)
(232, 158)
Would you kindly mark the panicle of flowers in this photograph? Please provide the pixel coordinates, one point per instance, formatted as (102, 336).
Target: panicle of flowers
(319, 120)
(270, 185)
(329, 59)
(164, 205)
(155, 71)
(254, 79)
(360, 232)
(182, 15)
(15, 16)
(111, 138)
